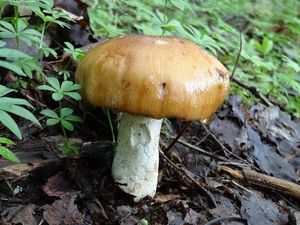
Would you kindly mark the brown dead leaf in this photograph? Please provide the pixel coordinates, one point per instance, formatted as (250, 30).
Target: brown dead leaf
(63, 211)
(194, 218)
(17, 171)
(57, 185)
(166, 198)
(22, 215)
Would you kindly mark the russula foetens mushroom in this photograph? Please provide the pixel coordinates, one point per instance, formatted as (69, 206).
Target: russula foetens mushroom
(149, 78)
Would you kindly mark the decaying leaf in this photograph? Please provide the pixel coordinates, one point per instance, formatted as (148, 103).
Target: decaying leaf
(22, 215)
(63, 211)
(260, 211)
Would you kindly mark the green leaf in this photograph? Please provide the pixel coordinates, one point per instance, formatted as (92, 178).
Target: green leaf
(13, 53)
(57, 96)
(67, 86)
(65, 112)
(2, 44)
(6, 153)
(12, 67)
(4, 90)
(49, 113)
(69, 146)
(7, 25)
(74, 118)
(19, 111)
(54, 82)
(70, 46)
(292, 64)
(46, 88)
(74, 95)
(179, 4)
(10, 124)
(266, 46)
(69, 126)
(15, 101)
(51, 122)
(6, 141)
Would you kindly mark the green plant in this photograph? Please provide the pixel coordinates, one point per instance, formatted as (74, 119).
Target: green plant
(270, 31)
(12, 56)
(16, 106)
(143, 222)
(65, 116)
(19, 29)
(5, 152)
(75, 53)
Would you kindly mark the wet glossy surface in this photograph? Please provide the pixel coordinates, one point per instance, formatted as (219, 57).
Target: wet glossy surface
(153, 76)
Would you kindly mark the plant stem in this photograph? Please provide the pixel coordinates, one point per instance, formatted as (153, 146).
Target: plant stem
(16, 27)
(62, 127)
(111, 128)
(165, 17)
(9, 186)
(43, 34)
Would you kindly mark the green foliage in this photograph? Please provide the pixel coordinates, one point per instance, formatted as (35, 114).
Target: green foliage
(65, 116)
(16, 106)
(67, 88)
(5, 152)
(69, 146)
(270, 58)
(144, 222)
(19, 29)
(75, 53)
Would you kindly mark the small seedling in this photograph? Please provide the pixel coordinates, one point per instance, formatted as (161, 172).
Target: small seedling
(65, 116)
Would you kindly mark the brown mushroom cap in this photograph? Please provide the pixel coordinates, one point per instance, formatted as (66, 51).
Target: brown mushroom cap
(153, 76)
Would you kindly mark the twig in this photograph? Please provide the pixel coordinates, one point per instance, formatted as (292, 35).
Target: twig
(225, 150)
(254, 91)
(223, 147)
(202, 151)
(258, 179)
(241, 186)
(32, 99)
(192, 180)
(180, 133)
(227, 219)
(238, 57)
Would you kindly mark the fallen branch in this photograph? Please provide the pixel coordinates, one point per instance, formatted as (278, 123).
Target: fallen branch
(265, 181)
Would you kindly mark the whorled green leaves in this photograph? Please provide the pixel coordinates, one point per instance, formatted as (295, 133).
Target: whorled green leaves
(15, 106)
(65, 117)
(66, 88)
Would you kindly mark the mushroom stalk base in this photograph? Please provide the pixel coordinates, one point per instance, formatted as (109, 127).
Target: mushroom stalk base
(136, 160)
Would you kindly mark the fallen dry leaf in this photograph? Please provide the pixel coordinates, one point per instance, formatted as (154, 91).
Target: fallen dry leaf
(22, 215)
(63, 211)
(57, 185)
(166, 198)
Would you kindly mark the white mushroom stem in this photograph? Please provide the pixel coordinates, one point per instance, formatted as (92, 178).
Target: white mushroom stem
(135, 164)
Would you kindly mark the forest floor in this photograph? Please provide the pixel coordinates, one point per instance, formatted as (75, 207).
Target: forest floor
(213, 172)
(219, 173)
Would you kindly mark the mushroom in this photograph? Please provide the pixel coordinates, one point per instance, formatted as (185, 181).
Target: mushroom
(149, 78)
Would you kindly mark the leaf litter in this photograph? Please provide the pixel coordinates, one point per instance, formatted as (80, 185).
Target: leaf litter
(82, 190)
